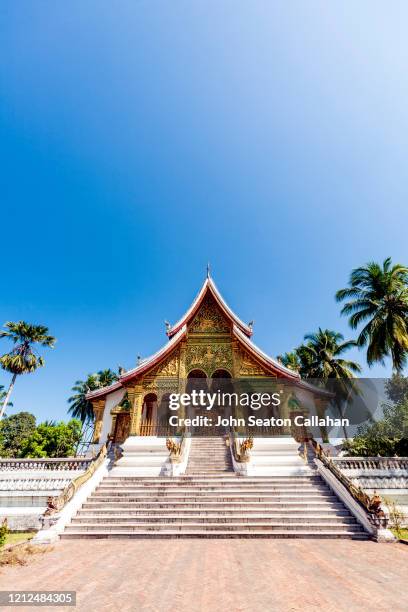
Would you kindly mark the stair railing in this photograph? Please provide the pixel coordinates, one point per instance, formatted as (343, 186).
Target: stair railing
(241, 448)
(176, 449)
(373, 506)
(56, 503)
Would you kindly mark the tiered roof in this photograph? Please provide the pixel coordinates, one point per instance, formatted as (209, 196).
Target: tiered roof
(241, 331)
(209, 287)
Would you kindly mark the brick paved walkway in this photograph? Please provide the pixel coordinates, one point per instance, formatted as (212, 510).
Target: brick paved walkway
(219, 575)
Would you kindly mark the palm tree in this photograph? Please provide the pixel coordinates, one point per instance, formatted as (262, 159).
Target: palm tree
(298, 360)
(81, 407)
(3, 396)
(290, 360)
(322, 359)
(378, 296)
(106, 377)
(321, 355)
(23, 359)
(305, 357)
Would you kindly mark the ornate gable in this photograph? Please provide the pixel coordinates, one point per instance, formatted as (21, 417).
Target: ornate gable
(209, 319)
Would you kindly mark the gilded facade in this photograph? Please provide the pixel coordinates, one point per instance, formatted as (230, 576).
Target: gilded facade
(210, 340)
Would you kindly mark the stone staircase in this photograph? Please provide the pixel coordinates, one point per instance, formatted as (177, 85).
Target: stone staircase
(210, 500)
(209, 457)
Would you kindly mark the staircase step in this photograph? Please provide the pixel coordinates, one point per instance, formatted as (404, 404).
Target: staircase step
(192, 506)
(210, 484)
(206, 517)
(215, 526)
(288, 533)
(256, 509)
(224, 491)
(212, 501)
(124, 480)
(206, 498)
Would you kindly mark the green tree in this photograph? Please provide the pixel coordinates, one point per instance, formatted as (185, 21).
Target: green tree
(386, 438)
(106, 377)
(321, 358)
(52, 440)
(23, 358)
(322, 353)
(396, 388)
(14, 430)
(80, 407)
(306, 361)
(290, 360)
(3, 532)
(378, 297)
(3, 395)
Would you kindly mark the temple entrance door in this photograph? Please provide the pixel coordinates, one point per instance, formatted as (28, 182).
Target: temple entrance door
(221, 382)
(148, 423)
(122, 427)
(197, 381)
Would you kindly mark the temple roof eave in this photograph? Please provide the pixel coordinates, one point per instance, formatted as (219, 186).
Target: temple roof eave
(144, 365)
(240, 331)
(100, 393)
(277, 367)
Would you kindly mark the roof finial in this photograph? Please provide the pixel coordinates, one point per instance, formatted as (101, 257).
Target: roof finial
(208, 270)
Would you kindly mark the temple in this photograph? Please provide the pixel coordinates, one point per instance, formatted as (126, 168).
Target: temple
(146, 481)
(209, 341)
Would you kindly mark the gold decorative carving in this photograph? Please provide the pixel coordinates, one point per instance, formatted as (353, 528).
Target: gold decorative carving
(169, 366)
(209, 357)
(135, 411)
(149, 384)
(118, 409)
(161, 386)
(249, 367)
(98, 408)
(209, 319)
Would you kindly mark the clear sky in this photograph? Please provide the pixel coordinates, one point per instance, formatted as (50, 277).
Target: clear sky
(140, 139)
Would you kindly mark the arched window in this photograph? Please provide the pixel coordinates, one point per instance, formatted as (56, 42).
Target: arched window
(196, 379)
(221, 381)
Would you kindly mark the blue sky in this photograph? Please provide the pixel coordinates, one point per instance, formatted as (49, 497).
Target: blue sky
(139, 140)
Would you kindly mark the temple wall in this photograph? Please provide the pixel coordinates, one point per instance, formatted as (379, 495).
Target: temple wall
(112, 400)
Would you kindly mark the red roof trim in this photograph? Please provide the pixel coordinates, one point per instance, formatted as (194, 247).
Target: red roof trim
(104, 390)
(270, 363)
(146, 364)
(209, 285)
(154, 359)
(277, 367)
